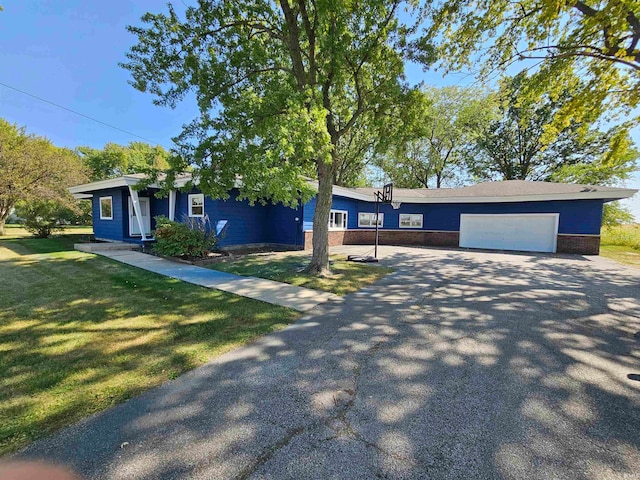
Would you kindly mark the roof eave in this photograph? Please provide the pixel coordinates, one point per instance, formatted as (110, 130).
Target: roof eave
(606, 196)
(124, 181)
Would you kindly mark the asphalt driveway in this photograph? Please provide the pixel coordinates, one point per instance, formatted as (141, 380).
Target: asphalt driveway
(458, 365)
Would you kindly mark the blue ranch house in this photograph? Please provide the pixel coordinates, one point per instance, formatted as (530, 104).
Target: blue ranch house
(508, 215)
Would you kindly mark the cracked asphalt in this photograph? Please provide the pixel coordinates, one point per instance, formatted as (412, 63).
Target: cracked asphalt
(468, 365)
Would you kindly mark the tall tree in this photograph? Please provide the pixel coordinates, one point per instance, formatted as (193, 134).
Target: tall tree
(612, 160)
(615, 164)
(116, 160)
(32, 168)
(523, 144)
(599, 39)
(278, 84)
(437, 126)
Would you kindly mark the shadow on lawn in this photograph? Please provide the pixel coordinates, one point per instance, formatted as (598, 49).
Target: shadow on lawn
(456, 366)
(79, 333)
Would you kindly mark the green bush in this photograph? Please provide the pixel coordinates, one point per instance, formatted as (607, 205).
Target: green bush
(177, 239)
(42, 217)
(79, 215)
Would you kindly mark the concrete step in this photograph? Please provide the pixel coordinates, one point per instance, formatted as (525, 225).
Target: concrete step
(105, 246)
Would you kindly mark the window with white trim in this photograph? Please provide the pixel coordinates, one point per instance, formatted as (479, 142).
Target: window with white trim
(106, 208)
(196, 205)
(338, 220)
(410, 220)
(367, 219)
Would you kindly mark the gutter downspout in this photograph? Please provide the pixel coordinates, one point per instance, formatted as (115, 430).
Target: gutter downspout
(136, 208)
(172, 205)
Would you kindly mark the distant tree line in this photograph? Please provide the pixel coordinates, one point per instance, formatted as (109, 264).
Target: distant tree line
(36, 175)
(452, 136)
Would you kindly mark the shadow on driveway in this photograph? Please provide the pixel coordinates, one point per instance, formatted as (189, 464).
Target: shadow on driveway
(458, 365)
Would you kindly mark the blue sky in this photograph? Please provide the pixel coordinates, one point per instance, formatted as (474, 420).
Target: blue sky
(68, 53)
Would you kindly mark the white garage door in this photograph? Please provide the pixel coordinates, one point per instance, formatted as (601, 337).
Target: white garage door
(530, 232)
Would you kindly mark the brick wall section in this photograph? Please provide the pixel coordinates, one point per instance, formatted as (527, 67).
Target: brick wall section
(582, 244)
(336, 238)
(386, 237)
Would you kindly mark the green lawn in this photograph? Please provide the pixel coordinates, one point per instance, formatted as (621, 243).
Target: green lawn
(79, 333)
(17, 231)
(621, 244)
(347, 277)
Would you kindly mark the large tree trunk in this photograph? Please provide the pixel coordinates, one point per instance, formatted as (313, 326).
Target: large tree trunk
(4, 214)
(320, 260)
(5, 209)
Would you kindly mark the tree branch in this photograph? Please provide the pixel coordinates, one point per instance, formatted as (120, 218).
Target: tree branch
(566, 52)
(261, 27)
(293, 43)
(311, 37)
(248, 75)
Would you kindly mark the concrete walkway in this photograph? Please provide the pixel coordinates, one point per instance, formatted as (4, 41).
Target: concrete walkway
(277, 293)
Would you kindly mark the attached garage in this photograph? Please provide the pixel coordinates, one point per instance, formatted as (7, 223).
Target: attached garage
(513, 215)
(528, 232)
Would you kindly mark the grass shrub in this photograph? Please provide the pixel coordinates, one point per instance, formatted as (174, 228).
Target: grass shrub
(622, 235)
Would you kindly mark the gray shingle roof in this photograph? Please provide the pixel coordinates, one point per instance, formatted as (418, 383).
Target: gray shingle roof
(507, 188)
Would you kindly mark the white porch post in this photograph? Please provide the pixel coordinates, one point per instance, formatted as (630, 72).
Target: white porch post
(136, 208)
(172, 205)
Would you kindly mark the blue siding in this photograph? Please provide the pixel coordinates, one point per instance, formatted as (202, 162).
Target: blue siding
(159, 206)
(308, 211)
(269, 223)
(282, 225)
(576, 216)
(245, 223)
(109, 229)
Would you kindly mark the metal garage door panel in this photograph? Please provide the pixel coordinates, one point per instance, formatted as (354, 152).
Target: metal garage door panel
(524, 232)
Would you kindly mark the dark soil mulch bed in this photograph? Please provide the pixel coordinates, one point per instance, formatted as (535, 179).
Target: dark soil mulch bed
(221, 255)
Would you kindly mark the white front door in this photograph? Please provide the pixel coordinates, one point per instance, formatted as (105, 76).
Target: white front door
(527, 232)
(134, 228)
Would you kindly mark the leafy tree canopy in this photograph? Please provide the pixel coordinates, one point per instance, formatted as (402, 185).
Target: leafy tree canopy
(279, 85)
(594, 40)
(116, 160)
(614, 164)
(523, 144)
(435, 128)
(32, 168)
(614, 213)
